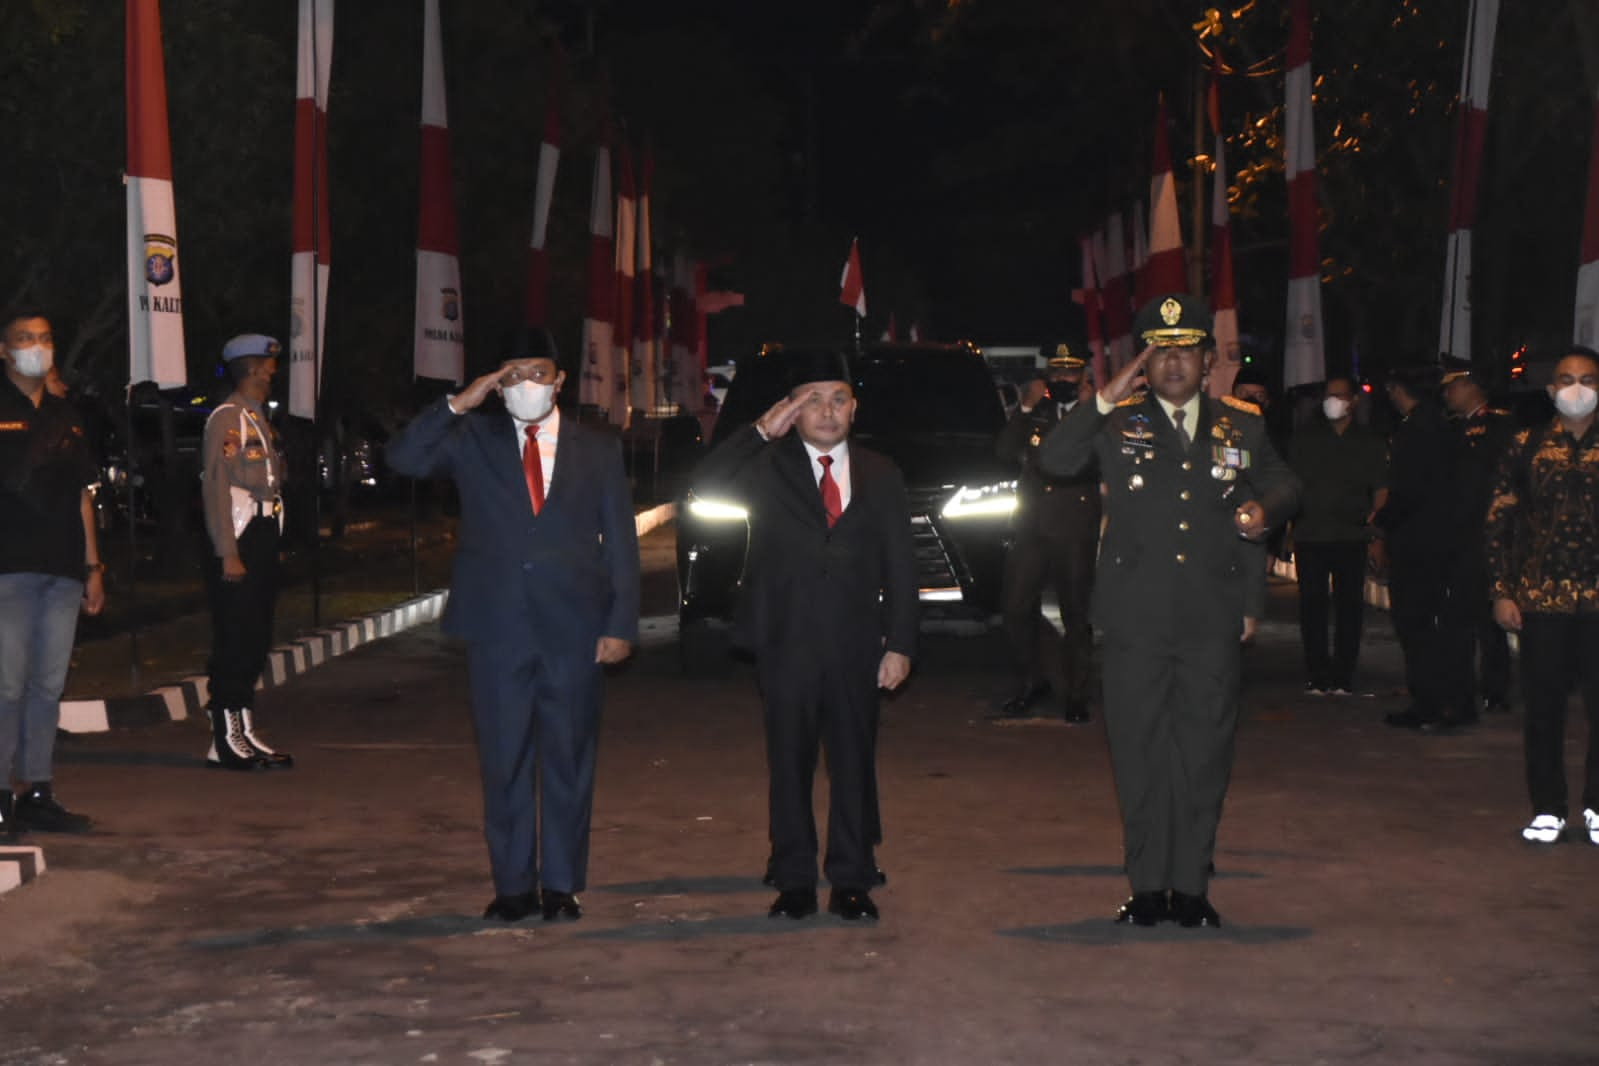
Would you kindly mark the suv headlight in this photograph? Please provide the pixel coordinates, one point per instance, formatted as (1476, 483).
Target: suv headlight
(990, 501)
(713, 510)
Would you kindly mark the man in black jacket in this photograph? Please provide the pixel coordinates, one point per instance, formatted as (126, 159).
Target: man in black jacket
(829, 606)
(1416, 525)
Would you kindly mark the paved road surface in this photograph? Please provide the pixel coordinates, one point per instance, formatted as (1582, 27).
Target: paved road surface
(1380, 906)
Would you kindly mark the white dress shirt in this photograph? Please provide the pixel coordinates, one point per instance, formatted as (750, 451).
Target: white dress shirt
(548, 430)
(840, 454)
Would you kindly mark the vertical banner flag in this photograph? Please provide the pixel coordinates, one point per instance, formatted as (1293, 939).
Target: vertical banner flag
(1471, 120)
(1138, 242)
(440, 340)
(1304, 356)
(538, 264)
(644, 363)
(852, 285)
(1167, 267)
(1118, 304)
(891, 331)
(1092, 319)
(155, 294)
(1587, 327)
(308, 265)
(597, 388)
(1223, 295)
(626, 249)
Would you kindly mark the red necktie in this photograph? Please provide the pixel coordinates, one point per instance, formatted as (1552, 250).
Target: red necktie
(832, 502)
(533, 469)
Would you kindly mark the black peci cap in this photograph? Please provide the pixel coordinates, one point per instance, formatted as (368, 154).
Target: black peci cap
(530, 342)
(804, 366)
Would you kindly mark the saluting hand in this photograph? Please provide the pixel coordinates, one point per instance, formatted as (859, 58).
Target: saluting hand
(1034, 394)
(475, 393)
(1120, 387)
(780, 417)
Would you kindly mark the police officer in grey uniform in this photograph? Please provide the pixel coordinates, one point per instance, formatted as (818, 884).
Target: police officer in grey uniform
(1178, 588)
(1053, 540)
(242, 487)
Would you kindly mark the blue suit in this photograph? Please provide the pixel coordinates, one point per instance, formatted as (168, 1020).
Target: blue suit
(531, 595)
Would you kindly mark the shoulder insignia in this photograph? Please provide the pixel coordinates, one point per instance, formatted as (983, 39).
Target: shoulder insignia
(1240, 405)
(1131, 401)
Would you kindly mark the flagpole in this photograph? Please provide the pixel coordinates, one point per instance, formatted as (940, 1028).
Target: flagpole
(316, 331)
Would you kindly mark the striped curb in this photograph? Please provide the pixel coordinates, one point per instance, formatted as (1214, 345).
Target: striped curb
(18, 865)
(187, 698)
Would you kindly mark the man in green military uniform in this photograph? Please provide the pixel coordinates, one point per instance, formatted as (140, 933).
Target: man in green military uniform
(242, 487)
(1053, 539)
(1178, 589)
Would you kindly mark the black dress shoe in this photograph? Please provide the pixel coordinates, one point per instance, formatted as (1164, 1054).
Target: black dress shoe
(851, 904)
(1077, 713)
(1409, 718)
(38, 810)
(1021, 704)
(794, 903)
(560, 906)
(1193, 912)
(1144, 908)
(511, 908)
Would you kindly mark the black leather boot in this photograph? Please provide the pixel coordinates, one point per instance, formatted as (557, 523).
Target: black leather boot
(273, 760)
(230, 748)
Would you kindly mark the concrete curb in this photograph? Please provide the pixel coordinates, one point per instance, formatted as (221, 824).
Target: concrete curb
(19, 864)
(188, 697)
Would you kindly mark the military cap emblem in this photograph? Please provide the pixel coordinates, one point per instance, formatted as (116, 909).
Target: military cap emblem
(1171, 312)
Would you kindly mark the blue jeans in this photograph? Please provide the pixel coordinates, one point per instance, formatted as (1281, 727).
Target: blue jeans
(38, 623)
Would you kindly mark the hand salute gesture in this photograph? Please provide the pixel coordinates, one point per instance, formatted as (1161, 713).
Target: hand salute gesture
(779, 419)
(1120, 387)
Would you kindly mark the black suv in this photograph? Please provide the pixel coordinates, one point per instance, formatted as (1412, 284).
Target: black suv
(931, 408)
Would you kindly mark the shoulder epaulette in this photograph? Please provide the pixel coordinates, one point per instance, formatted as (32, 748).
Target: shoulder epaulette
(1131, 401)
(1240, 405)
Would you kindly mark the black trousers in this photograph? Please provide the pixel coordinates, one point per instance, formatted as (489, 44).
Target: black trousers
(1343, 565)
(1171, 712)
(1555, 649)
(1418, 589)
(241, 616)
(813, 708)
(1068, 565)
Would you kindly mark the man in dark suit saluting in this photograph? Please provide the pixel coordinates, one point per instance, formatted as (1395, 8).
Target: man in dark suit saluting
(545, 592)
(829, 606)
(1177, 590)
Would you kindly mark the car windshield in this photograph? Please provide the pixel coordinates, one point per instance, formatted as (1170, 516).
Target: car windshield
(902, 391)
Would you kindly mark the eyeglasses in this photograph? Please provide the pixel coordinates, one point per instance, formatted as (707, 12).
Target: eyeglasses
(539, 375)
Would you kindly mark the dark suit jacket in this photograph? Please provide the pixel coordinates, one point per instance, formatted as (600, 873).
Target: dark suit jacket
(572, 571)
(809, 588)
(1423, 502)
(1171, 558)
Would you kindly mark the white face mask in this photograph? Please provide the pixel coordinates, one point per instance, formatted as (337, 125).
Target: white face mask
(528, 401)
(1335, 408)
(33, 362)
(1576, 400)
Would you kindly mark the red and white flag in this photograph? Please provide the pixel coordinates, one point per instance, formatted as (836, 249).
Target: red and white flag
(1117, 300)
(598, 384)
(891, 331)
(308, 266)
(1304, 355)
(440, 340)
(1167, 267)
(155, 292)
(852, 284)
(626, 250)
(1587, 326)
(645, 366)
(538, 263)
(914, 334)
(1223, 295)
(1471, 121)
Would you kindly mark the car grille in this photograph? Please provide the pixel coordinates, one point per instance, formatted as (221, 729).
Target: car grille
(935, 570)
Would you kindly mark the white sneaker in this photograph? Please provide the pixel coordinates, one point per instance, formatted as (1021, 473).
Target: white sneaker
(1590, 818)
(1547, 829)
